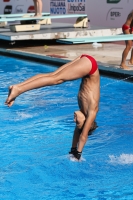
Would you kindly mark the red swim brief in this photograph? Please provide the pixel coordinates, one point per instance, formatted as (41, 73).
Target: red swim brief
(126, 27)
(94, 63)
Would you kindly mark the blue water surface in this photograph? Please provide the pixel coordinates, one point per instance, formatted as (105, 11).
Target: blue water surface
(36, 136)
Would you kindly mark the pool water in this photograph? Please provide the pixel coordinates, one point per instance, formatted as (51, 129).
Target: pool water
(36, 135)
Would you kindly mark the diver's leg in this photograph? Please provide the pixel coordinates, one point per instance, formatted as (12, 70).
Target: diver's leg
(125, 53)
(78, 69)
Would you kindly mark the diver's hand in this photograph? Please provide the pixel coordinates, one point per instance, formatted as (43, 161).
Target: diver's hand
(73, 150)
(77, 155)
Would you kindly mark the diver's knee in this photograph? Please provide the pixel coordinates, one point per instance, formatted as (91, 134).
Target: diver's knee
(58, 79)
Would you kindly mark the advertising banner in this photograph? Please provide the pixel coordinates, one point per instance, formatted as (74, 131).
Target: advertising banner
(18, 6)
(76, 7)
(102, 13)
(58, 7)
(62, 7)
(109, 13)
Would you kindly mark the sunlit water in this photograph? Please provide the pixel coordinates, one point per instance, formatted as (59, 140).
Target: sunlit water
(36, 135)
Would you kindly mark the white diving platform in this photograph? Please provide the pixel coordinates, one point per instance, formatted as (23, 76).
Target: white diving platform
(43, 17)
(25, 27)
(57, 31)
(111, 38)
(20, 15)
(4, 19)
(29, 23)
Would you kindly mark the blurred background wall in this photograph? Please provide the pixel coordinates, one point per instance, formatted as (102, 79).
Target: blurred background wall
(102, 13)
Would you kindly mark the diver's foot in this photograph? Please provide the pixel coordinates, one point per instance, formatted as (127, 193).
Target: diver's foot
(37, 15)
(130, 62)
(123, 66)
(13, 93)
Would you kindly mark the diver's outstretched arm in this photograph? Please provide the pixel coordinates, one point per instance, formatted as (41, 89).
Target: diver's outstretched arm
(87, 126)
